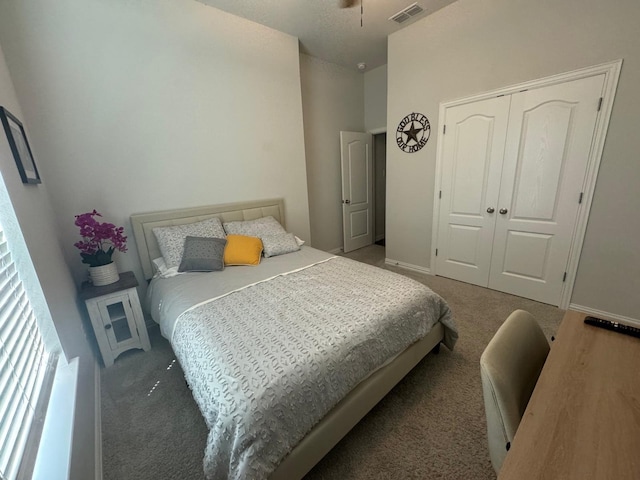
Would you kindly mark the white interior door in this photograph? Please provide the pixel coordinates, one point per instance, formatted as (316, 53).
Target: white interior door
(473, 151)
(546, 156)
(357, 189)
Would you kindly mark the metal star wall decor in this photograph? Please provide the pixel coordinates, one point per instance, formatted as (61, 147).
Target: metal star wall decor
(413, 132)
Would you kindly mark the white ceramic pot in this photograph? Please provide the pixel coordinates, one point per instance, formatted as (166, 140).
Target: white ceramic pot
(104, 274)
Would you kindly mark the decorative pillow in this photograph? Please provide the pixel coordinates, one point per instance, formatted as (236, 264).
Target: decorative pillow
(202, 254)
(171, 239)
(242, 250)
(161, 270)
(159, 266)
(279, 244)
(254, 228)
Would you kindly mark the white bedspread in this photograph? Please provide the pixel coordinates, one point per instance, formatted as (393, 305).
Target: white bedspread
(265, 363)
(169, 297)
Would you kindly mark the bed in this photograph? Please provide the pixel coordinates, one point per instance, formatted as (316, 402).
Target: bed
(284, 358)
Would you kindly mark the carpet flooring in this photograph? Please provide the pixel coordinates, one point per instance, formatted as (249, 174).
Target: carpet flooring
(430, 426)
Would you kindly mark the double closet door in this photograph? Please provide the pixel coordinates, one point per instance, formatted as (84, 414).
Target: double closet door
(513, 170)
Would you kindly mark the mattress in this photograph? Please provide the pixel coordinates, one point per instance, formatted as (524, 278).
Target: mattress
(267, 351)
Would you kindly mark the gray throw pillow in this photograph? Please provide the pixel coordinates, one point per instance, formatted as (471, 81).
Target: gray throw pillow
(202, 254)
(279, 244)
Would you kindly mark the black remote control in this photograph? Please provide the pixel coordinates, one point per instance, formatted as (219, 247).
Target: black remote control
(613, 326)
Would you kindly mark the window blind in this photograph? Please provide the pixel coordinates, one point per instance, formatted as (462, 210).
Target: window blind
(25, 366)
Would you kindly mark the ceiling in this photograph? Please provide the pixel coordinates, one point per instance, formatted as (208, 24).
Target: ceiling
(329, 32)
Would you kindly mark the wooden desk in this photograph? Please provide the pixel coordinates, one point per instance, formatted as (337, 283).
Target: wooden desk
(583, 419)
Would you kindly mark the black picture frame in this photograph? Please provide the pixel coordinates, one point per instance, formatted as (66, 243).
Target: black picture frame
(20, 147)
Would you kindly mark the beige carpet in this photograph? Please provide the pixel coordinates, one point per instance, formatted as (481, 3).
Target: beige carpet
(431, 426)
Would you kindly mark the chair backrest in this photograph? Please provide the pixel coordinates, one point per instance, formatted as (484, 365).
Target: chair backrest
(509, 368)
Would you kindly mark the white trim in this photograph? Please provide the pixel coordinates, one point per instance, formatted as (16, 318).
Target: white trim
(606, 68)
(53, 461)
(335, 251)
(602, 314)
(408, 266)
(611, 75)
(437, 187)
(611, 72)
(98, 422)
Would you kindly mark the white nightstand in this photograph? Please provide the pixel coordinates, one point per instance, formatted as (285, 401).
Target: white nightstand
(116, 317)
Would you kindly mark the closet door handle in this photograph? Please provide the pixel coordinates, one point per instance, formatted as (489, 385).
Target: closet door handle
(491, 210)
(503, 211)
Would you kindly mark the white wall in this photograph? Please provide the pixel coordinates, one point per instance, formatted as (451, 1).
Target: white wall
(474, 46)
(375, 99)
(333, 100)
(32, 207)
(147, 105)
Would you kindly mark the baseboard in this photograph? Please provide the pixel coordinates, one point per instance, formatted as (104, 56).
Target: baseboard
(335, 251)
(408, 266)
(379, 237)
(98, 424)
(603, 314)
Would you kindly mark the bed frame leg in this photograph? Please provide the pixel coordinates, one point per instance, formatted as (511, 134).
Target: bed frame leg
(436, 349)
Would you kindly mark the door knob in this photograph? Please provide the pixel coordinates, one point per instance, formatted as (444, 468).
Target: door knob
(503, 211)
(347, 202)
(491, 210)
(107, 326)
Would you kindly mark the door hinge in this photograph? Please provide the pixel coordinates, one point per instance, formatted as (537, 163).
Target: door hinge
(564, 277)
(581, 195)
(600, 103)
(436, 252)
(444, 129)
(440, 194)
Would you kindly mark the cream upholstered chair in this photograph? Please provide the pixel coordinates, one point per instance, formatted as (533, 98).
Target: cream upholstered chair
(509, 368)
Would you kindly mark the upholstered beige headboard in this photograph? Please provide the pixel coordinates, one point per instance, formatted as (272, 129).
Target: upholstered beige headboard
(143, 223)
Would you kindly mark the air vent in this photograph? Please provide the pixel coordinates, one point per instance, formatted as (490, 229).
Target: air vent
(413, 10)
(400, 17)
(406, 13)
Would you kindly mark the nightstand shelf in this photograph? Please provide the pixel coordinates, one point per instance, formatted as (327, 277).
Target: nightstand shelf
(116, 317)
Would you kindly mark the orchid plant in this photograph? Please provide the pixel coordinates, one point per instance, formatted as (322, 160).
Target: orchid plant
(99, 239)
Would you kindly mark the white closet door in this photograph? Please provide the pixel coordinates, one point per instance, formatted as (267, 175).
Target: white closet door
(473, 150)
(547, 150)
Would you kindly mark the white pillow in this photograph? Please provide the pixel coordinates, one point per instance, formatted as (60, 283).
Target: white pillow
(259, 227)
(171, 239)
(279, 244)
(162, 271)
(159, 266)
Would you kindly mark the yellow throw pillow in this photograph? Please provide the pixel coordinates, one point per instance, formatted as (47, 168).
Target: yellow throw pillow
(242, 250)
